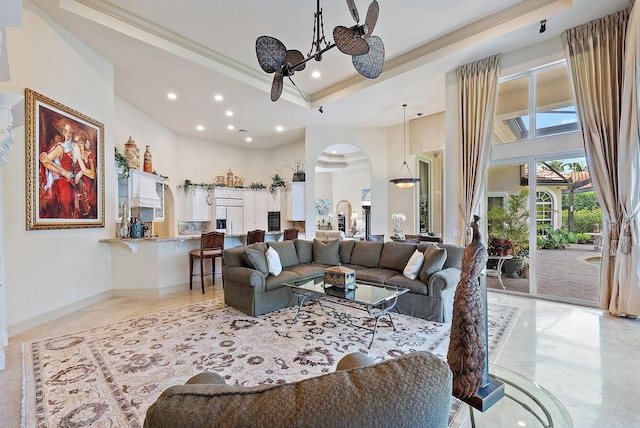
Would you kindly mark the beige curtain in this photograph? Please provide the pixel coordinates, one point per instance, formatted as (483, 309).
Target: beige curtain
(595, 57)
(625, 290)
(477, 94)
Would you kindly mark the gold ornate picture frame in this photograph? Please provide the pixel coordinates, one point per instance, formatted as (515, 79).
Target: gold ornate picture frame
(64, 166)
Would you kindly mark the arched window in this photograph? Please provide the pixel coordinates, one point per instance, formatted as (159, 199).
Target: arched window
(544, 210)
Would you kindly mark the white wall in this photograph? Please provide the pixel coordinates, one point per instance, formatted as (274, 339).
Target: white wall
(373, 142)
(45, 267)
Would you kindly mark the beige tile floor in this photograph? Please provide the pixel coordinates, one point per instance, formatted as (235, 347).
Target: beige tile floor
(585, 357)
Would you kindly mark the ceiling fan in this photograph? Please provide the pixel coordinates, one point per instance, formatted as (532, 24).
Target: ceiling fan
(366, 50)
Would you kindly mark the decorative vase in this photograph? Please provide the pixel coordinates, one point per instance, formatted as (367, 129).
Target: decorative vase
(124, 223)
(147, 165)
(229, 178)
(132, 153)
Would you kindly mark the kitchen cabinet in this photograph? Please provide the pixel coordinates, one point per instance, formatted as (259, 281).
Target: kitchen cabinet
(255, 209)
(195, 204)
(276, 201)
(296, 201)
(141, 190)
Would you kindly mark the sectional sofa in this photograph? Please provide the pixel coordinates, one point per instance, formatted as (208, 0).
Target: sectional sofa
(355, 395)
(252, 289)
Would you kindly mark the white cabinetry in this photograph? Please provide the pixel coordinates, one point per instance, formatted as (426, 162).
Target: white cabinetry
(276, 201)
(255, 209)
(296, 201)
(141, 190)
(195, 204)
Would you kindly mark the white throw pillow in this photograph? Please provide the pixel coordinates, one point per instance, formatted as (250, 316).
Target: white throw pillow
(414, 264)
(273, 261)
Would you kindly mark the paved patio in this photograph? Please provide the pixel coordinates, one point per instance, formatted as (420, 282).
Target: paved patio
(562, 274)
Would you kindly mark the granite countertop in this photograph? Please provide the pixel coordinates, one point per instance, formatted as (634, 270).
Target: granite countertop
(176, 238)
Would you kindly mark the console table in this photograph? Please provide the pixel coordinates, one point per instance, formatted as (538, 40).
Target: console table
(497, 272)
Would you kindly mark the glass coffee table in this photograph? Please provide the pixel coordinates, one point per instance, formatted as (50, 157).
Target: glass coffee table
(378, 299)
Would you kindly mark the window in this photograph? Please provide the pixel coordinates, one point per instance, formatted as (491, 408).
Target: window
(544, 211)
(541, 99)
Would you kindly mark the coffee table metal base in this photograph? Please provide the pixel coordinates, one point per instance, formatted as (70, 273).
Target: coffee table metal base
(375, 311)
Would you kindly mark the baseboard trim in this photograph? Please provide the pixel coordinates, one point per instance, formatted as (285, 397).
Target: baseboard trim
(56, 313)
(148, 292)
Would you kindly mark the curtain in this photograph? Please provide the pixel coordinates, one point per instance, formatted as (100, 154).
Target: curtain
(478, 95)
(625, 290)
(595, 58)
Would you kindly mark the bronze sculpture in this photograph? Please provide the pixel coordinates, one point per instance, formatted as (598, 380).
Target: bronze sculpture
(467, 352)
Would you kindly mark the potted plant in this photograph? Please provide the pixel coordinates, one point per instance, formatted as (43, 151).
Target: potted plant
(510, 222)
(297, 167)
(276, 181)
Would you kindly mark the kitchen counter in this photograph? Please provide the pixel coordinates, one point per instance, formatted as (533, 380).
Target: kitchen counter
(160, 265)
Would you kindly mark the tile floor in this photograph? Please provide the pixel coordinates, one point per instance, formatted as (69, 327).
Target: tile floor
(583, 356)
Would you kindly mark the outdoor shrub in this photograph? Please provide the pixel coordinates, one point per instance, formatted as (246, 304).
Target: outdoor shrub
(583, 220)
(555, 239)
(582, 237)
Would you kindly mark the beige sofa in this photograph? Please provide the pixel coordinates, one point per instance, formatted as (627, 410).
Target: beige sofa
(327, 235)
(250, 288)
(357, 394)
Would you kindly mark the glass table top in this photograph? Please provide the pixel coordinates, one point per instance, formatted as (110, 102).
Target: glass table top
(360, 292)
(525, 404)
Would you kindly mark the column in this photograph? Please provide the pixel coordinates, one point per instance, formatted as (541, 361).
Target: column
(7, 101)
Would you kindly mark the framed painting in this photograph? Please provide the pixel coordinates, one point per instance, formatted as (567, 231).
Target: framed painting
(64, 166)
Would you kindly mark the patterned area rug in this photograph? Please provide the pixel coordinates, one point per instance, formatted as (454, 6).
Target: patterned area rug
(108, 376)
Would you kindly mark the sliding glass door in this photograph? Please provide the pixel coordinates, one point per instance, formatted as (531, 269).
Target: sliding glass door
(547, 213)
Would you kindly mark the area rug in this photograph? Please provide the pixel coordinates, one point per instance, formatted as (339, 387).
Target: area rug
(108, 376)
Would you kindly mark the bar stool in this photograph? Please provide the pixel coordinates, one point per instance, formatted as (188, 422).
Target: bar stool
(290, 234)
(255, 236)
(211, 246)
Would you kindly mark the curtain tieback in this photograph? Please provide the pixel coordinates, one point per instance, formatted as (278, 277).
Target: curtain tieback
(614, 235)
(627, 241)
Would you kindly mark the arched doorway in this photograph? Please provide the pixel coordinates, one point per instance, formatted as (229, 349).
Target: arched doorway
(342, 176)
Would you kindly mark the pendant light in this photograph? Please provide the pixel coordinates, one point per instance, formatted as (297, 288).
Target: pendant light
(404, 182)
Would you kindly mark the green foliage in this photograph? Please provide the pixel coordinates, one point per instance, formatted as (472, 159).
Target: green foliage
(511, 222)
(582, 237)
(276, 181)
(187, 184)
(257, 186)
(121, 160)
(557, 239)
(583, 220)
(581, 201)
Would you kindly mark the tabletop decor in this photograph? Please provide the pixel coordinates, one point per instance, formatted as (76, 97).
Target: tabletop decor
(64, 166)
(397, 219)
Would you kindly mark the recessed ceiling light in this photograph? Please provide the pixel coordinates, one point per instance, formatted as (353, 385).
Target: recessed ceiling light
(200, 128)
(172, 96)
(248, 139)
(231, 127)
(279, 129)
(316, 74)
(218, 97)
(229, 113)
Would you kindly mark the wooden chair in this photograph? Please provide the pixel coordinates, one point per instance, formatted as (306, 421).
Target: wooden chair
(376, 238)
(211, 245)
(290, 234)
(255, 236)
(413, 238)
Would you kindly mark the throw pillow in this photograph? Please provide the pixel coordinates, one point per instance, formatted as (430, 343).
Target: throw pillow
(434, 259)
(366, 253)
(256, 260)
(326, 252)
(346, 248)
(414, 264)
(273, 261)
(304, 249)
(287, 252)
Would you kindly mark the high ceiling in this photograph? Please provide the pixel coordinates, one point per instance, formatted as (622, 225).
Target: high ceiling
(197, 49)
